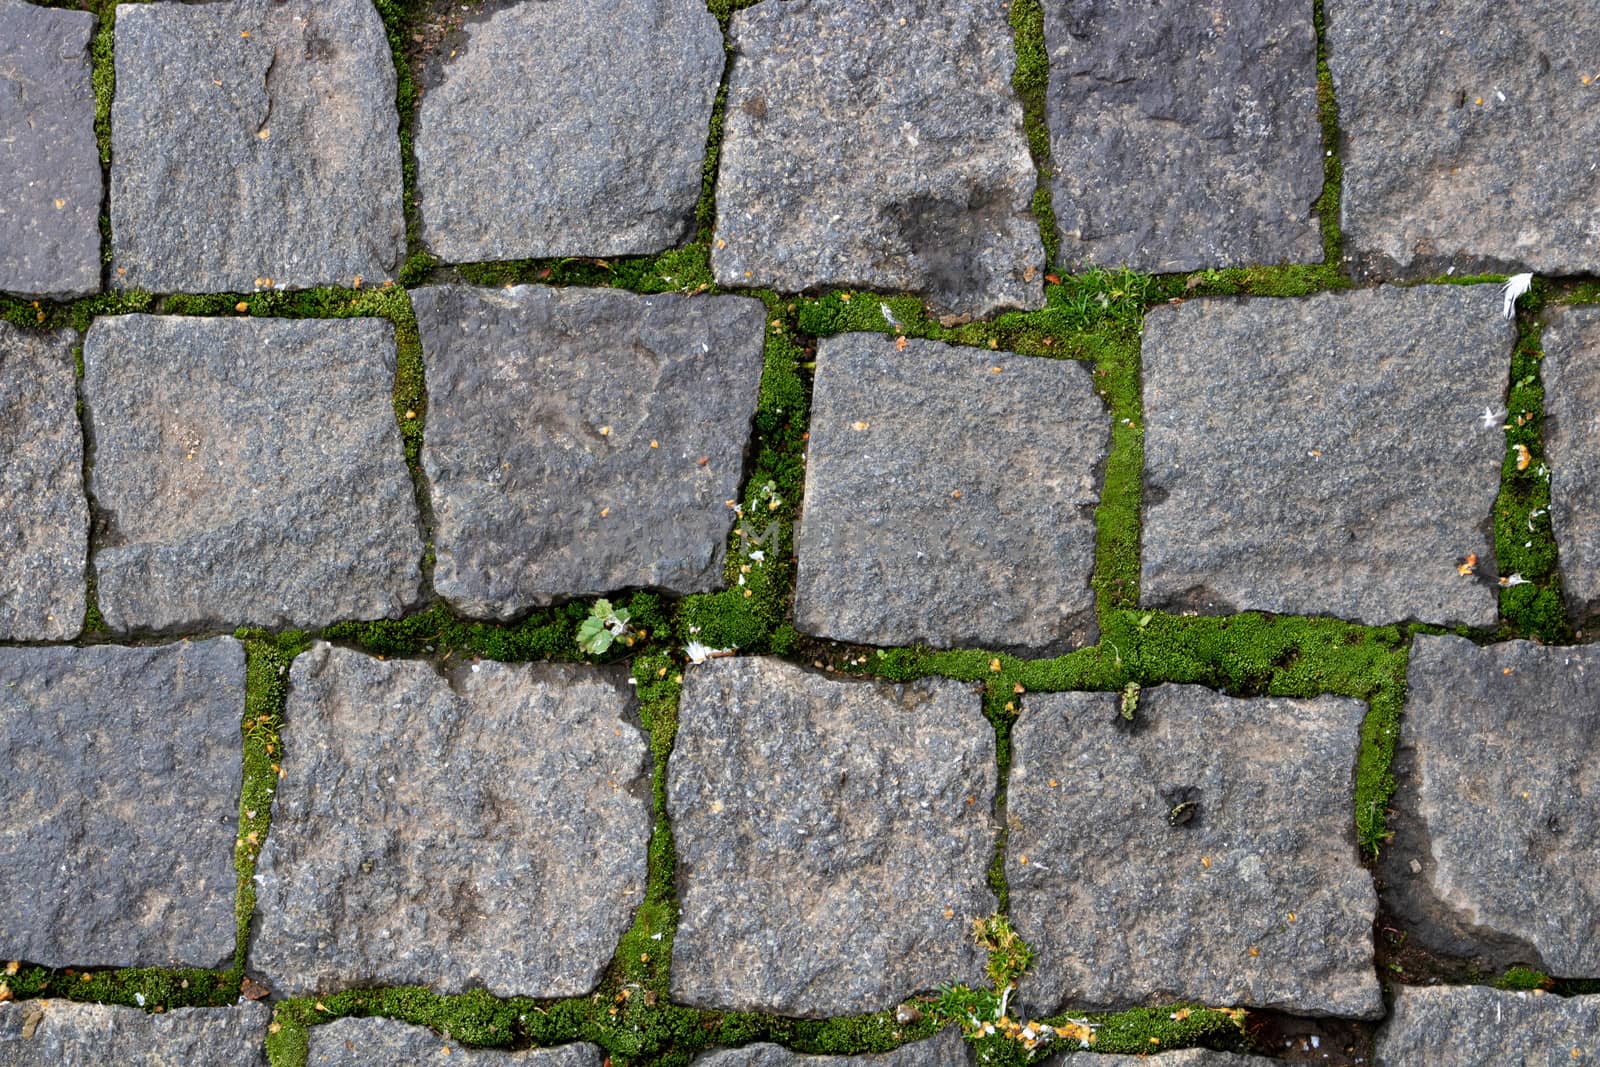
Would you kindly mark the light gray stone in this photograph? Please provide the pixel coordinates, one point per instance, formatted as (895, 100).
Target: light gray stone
(1189, 1057)
(1571, 373)
(1184, 135)
(950, 496)
(946, 1050)
(372, 1041)
(119, 777)
(485, 824)
(1473, 1026)
(1326, 455)
(1204, 852)
(878, 143)
(833, 839)
(583, 441)
(247, 472)
(568, 128)
(255, 143)
(61, 1033)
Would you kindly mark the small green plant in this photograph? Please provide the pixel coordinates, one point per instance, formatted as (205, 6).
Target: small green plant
(1130, 700)
(604, 626)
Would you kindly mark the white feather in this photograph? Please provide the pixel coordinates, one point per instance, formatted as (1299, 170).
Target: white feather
(1515, 286)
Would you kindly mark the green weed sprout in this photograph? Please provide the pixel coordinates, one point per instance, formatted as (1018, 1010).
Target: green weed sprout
(604, 625)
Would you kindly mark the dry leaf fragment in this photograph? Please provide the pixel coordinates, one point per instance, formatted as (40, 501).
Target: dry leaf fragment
(994, 665)
(13, 966)
(901, 344)
(250, 989)
(1468, 565)
(1524, 457)
(5, 992)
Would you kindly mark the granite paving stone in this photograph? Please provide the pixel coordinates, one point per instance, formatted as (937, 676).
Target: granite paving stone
(948, 1049)
(367, 1042)
(950, 497)
(1474, 1026)
(531, 140)
(583, 441)
(119, 777)
(878, 143)
(1189, 1057)
(61, 1033)
(479, 824)
(1337, 454)
(1571, 375)
(1184, 135)
(1204, 852)
(833, 838)
(247, 472)
(255, 144)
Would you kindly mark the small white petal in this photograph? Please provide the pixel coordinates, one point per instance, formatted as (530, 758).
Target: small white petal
(1515, 286)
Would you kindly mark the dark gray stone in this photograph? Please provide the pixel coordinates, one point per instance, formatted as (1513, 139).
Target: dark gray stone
(44, 519)
(1466, 128)
(582, 441)
(372, 1041)
(532, 141)
(1571, 373)
(946, 1050)
(1326, 455)
(119, 777)
(1204, 853)
(50, 182)
(833, 838)
(1189, 1057)
(61, 1033)
(1474, 1026)
(254, 144)
(484, 824)
(247, 472)
(878, 143)
(1184, 135)
(938, 479)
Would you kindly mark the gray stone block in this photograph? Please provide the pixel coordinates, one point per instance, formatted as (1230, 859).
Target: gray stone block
(373, 1041)
(1189, 1057)
(946, 1050)
(61, 1033)
(1474, 1026)
(1571, 373)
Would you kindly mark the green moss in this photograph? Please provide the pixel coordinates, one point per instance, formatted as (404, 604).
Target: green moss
(1523, 978)
(1031, 80)
(399, 16)
(1328, 205)
(161, 989)
(678, 270)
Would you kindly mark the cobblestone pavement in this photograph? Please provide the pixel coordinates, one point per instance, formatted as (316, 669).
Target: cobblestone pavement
(616, 533)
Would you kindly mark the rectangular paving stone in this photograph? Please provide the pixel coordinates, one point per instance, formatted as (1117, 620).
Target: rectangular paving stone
(833, 839)
(1184, 135)
(948, 1049)
(373, 1041)
(255, 144)
(1204, 852)
(1474, 1026)
(878, 143)
(50, 180)
(483, 824)
(583, 441)
(247, 472)
(119, 777)
(950, 496)
(1571, 374)
(1189, 1057)
(1338, 454)
(61, 1033)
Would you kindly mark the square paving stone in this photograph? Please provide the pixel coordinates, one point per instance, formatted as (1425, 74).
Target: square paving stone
(878, 143)
(1184, 135)
(1466, 133)
(44, 518)
(370, 1042)
(1337, 454)
(532, 141)
(833, 839)
(60, 1033)
(247, 472)
(119, 777)
(476, 825)
(583, 441)
(1474, 1026)
(255, 143)
(946, 1050)
(1571, 373)
(950, 497)
(1205, 852)
(50, 180)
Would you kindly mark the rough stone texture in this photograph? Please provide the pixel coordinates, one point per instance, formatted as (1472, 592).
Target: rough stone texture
(49, 160)
(1189, 1057)
(487, 825)
(581, 441)
(44, 519)
(119, 777)
(1466, 133)
(948, 1049)
(371, 1041)
(60, 1033)
(878, 143)
(947, 504)
(1184, 135)
(1571, 373)
(532, 140)
(1474, 1026)
(247, 471)
(833, 838)
(1204, 854)
(254, 142)
(1326, 455)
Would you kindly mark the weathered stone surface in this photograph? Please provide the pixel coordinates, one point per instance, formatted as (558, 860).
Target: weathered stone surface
(950, 496)
(1326, 455)
(49, 160)
(1184, 135)
(1474, 1026)
(946, 1050)
(878, 143)
(582, 441)
(254, 143)
(531, 141)
(119, 777)
(487, 825)
(1571, 373)
(371, 1041)
(1189, 1057)
(61, 1033)
(1205, 854)
(1466, 132)
(44, 519)
(832, 837)
(247, 471)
